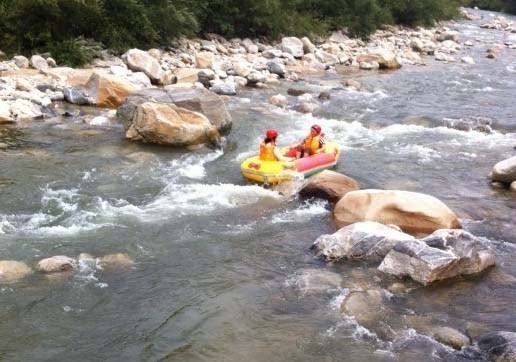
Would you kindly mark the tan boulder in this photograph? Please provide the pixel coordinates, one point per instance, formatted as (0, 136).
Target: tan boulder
(5, 113)
(168, 124)
(204, 60)
(186, 75)
(385, 58)
(11, 271)
(109, 90)
(413, 212)
(140, 61)
(329, 185)
(59, 263)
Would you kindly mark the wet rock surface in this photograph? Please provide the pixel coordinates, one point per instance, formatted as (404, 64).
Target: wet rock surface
(498, 346)
(414, 213)
(329, 185)
(368, 241)
(442, 255)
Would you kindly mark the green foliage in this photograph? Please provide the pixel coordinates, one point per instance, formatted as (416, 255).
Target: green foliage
(78, 51)
(62, 26)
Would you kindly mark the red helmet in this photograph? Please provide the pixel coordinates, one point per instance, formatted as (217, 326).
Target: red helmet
(316, 128)
(272, 134)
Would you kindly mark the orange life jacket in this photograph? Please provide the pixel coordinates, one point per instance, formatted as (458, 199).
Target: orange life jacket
(267, 152)
(312, 144)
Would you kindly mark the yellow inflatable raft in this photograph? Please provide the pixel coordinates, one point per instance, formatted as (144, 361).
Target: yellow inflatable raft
(274, 172)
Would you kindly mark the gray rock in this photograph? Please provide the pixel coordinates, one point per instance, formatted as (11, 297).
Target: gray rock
(505, 171)
(479, 124)
(315, 281)
(21, 61)
(275, 67)
(272, 53)
(197, 100)
(256, 77)
(293, 46)
(513, 186)
(308, 46)
(205, 76)
(498, 346)
(368, 240)
(306, 107)
(227, 88)
(38, 62)
(449, 35)
(442, 255)
(77, 96)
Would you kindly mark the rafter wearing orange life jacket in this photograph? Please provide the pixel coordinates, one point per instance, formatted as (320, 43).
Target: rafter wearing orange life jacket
(268, 149)
(314, 142)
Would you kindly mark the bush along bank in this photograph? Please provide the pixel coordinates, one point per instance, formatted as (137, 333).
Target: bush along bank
(73, 30)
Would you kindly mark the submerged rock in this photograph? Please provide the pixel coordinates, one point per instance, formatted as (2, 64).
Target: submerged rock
(443, 255)
(12, 271)
(368, 240)
(314, 281)
(414, 213)
(56, 264)
(498, 346)
(450, 337)
(505, 171)
(118, 260)
(278, 100)
(329, 185)
(479, 124)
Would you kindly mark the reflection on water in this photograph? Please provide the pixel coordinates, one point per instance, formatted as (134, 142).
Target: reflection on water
(223, 268)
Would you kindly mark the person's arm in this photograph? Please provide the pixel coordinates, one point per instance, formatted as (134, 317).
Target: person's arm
(280, 157)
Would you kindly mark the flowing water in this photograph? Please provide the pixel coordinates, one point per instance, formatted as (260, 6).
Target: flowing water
(223, 267)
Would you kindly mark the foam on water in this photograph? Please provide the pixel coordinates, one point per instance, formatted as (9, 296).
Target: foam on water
(304, 212)
(179, 200)
(191, 166)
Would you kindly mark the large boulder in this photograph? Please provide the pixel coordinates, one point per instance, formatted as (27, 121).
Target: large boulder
(21, 61)
(11, 271)
(140, 61)
(198, 100)
(186, 76)
(109, 90)
(385, 58)
(329, 185)
(38, 62)
(505, 171)
(498, 346)
(413, 212)
(168, 124)
(292, 45)
(442, 255)
(204, 60)
(5, 113)
(56, 264)
(368, 240)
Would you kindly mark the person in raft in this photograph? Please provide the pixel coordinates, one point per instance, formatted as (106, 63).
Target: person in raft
(313, 143)
(268, 149)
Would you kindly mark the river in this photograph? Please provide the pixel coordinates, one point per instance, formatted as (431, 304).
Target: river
(220, 263)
